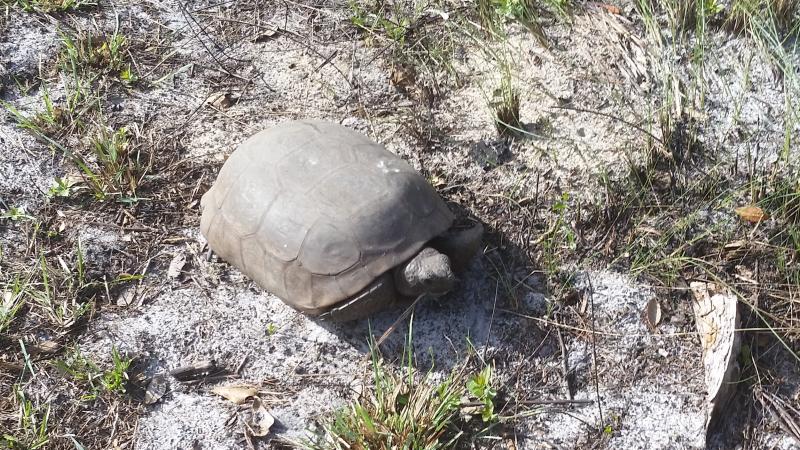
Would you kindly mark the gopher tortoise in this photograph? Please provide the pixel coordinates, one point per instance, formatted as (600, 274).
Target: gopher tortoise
(332, 223)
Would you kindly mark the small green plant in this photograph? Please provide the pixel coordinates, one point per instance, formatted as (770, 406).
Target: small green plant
(784, 199)
(480, 386)
(58, 292)
(53, 118)
(401, 413)
(60, 295)
(422, 45)
(57, 297)
(358, 15)
(61, 187)
(118, 166)
(95, 380)
(114, 380)
(373, 19)
(494, 14)
(16, 214)
(567, 235)
(510, 8)
(127, 76)
(32, 431)
(403, 409)
(117, 170)
(712, 7)
(87, 57)
(271, 329)
(558, 237)
(49, 117)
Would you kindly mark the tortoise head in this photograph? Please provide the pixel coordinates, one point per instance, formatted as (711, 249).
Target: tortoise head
(428, 272)
(431, 271)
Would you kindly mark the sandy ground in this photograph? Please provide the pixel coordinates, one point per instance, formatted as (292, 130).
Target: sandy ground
(645, 385)
(309, 367)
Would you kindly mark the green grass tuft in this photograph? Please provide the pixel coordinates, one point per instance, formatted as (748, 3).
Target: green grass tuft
(87, 57)
(94, 380)
(118, 165)
(404, 408)
(31, 431)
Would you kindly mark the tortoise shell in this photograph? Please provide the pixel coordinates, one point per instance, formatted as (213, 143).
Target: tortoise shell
(314, 212)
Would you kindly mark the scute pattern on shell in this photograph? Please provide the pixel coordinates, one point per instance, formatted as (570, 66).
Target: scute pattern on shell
(314, 212)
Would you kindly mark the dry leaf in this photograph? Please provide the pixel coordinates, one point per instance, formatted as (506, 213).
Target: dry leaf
(717, 319)
(260, 420)
(236, 393)
(610, 8)
(403, 75)
(438, 12)
(127, 296)
(7, 300)
(46, 347)
(11, 367)
(644, 229)
(221, 100)
(752, 213)
(176, 265)
(735, 245)
(437, 181)
(652, 313)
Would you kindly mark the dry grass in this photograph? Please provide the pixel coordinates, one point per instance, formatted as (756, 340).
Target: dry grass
(743, 13)
(506, 108)
(52, 396)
